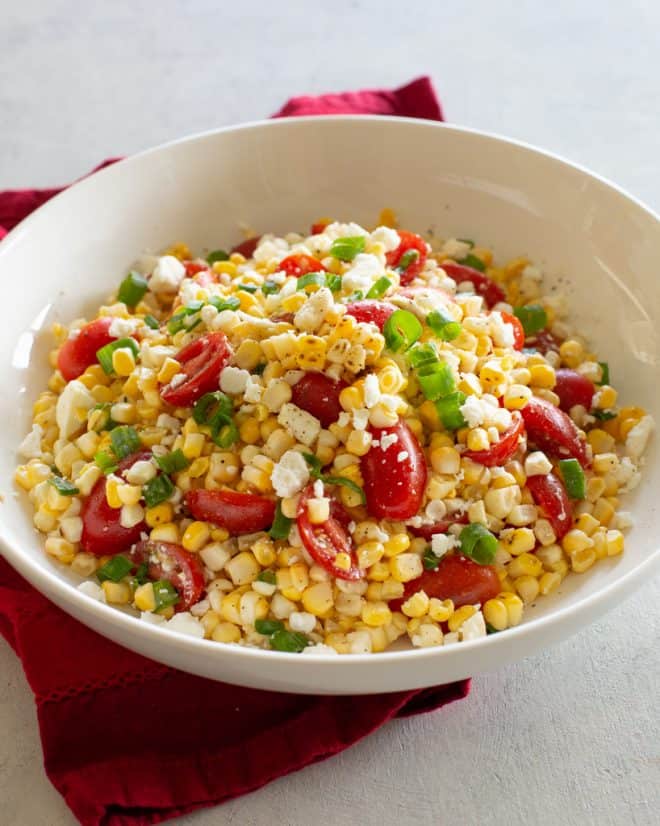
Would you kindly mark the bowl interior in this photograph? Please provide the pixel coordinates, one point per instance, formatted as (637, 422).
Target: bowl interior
(595, 244)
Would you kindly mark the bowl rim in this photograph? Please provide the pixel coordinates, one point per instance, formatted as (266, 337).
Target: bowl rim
(46, 581)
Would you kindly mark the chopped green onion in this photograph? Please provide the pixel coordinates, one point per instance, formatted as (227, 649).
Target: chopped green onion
(290, 641)
(467, 241)
(401, 330)
(63, 486)
(226, 435)
(379, 288)
(449, 410)
(220, 304)
(309, 279)
(358, 295)
(333, 282)
(268, 627)
(217, 255)
(436, 380)
(247, 288)
(473, 261)
(314, 464)
(106, 461)
(142, 574)
(178, 321)
(165, 594)
(259, 369)
(152, 321)
(444, 328)
(532, 317)
(478, 543)
(604, 373)
(573, 476)
(430, 560)
(104, 355)
(125, 441)
(345, 249)
(215, 410)
(604, 415)
(490, 629)
(132, 289)
(172, 462)
(281, 524)
(409, 257)
(268, 577)
(115, 569)
(157, 490)
(270, 288)
(422, 354)
(315, 472)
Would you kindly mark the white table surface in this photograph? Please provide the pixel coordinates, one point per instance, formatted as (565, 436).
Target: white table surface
(570, 735)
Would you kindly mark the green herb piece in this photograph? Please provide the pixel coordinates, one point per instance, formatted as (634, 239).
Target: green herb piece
(436, 380)
(180, 321)
(259, 369)
(449, 410)
(172, 462)
(290, 641)
(467, 241)
(444, 328)
(270, 288)
(115, 569)
(311, 279)
(165, 594)
(345, 249)
(157, 490)
(401, 330)
(604, 373)
(604, 415)
(422, 354)
(132, 289)
(104, 355)
(430, 561)
(333, 282)
(125, 441)
(281, 526)
(215, 410)
(532, 317)
(473, 261)
(141, 575)
(409, 257)
(247, 288)
(220, 304)
(152, 322)
(358, 295)
(490, 629)
(106, 461)
(217, 255)
(314, 464)
(478, 543)
(379, 288)
(63, 486)
(268, 627)
(573, 476)
(268, 577)
(315, 472)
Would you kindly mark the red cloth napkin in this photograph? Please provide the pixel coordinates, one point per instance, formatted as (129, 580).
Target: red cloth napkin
(127, 741)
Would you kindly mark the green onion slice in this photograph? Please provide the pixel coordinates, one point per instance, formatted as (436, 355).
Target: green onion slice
(152, 321)
(379, 288)
(422, 354)
(604, 372)
(436, 380)
(473, 261)
(247, 288)
(268, 577)
(478, 543)
(333, 282)
(215, 410)
(217, 255)
(104, 355)
(290, 641)
(573, 477)
(106, 461)
(532, 317)
(401, 330)
(281, 524)
(132, 289)
(63, 486)
(490, 629)
(358, 295)
(270, 288)
(220, 304)
(449, 410)
(315, 466)
(141, 575)
(157, 490)
(430, 561)
(467, 241)
(604, 415)
(115, 569)
(409, 257)
(268, 627)
(165, 594)
(172, 462)
(444, 327)
(345, 249)
(311, 279)
(125, 441)
(179, 321)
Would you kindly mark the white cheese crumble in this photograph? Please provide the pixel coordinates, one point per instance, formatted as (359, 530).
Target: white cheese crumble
(638, 437)
(72, 406)
(123, 327)
(290, 474)
(402, 456)
(473, 628)
(365, 269)
(253, 390)
(168, 274)
(30, 447)
(185, 623)
(91, 589)
(387, 440)
(472, 411)
(313, 312)
(301, 424)
(372, 392)
(453, 248)
(233, 380)
(501, 330)
(386, 236)
(442, 543)
(360, 418)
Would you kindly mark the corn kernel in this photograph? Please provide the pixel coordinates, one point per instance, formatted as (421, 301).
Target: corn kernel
(582, 559)
(525, 565)
(405, 567)
(460, 615)
(116, 593)
(168, 370)
(543, 376)
(440, 610)
(225, 631)
(195, 536)
(416, 605)
(549, 582)
(576, 540)
(603, 512)
(605, 398)
(396, 544)
(375, 614)
(144, 597)
(496, 614)
(317, 599)
(614, 543)
(193, 444)
(60, 549)
(514, 607)
(167, 532)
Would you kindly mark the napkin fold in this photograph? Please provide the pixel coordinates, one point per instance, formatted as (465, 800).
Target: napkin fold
(128, 741)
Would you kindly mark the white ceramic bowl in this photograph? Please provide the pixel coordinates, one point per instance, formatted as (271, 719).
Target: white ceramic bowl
(596, 242)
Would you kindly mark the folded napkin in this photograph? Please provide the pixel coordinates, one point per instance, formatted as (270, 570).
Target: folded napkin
(127, 741)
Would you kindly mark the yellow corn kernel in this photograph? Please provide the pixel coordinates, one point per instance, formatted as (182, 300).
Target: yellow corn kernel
(517, 396)
(391, 589)
(84, 564)
(193, 445)
(359, 442)
(195, 536)
(167, 532)
(405, 567)
(605, 398)
(416, 605)
(514, 607)
(116, 593)
(440, 610)
(614, 541)
(123, 361)
(460, 615)
(396, 544)
(571, 352)
(582, 560)
(496, 614)
(478, 439)
(257, 478)
(226, 631)
(225, 267)
(264, 551)
(600, 441)
(368, 553)
(112, 492)
(243, 568)
(159, 514)
(379, 572)
(351, 398)
(527, 587)
(542, 375)
(248, 354)
(224, 467)
(60, 549)
(587, 523)
(311, 352)
(318, 510)
(317, 599)
(129, 494)
(210, 621)
(198, 467)
(576, 540)
(144, 597)
(299, 573)
(249, 431)
(549, 582)
(292, 303)
(180, 251)
(230, 607)
(603, 512)
(525, 565)
(375, 614)
(168, 370)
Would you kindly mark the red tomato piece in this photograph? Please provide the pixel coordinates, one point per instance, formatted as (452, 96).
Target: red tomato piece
(409, 241)
(319, 226)
(544, 341)
(550, 495)
(167, 561)
(76, 354)
(202, 361)
(573, 388)
(457, 578)
(394, 489)
(300, 264)
(318, 395)
(102, 531)
(237, 512)
(247, 248)
(502, 451)
(429, 531)
(484, 286)
(369, 310)
(192, 268)
(324, 542)
(551, 430)
(518, 330)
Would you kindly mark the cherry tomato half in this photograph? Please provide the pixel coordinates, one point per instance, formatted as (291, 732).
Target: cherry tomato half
(456, 578)
(369, 310)
(324, 542)
(518, 330)
(318, 395)
(429, 531)
(247, 248)
(484, 286)
(319, 226)
(550, 495)
(102, 531)
(202, 361)
(551, 430)
(502, 451)
(77, 354)
(167, 561)
(300, 264)
(192, 268)
(394, 477)
(409, 242)
(237, 512)
(573, 388)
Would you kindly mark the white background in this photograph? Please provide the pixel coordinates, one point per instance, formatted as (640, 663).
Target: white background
(570, 735)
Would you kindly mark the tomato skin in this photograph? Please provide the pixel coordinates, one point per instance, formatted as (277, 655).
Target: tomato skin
(394, 489)
(102, 532)
(409, 241)
(550, 494)
(457, 578)
(319, 227)
(324, 542)
(428, 531)
(77, 354)
(300, 264)
(573, 388)
(484, 286)
(178, 566)
(371, 311)
(502, 451)
(237, 512)
(247, 248)
(518, 330)
(192, 268)
(202, 361)
(318, 395)
(551, 430)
